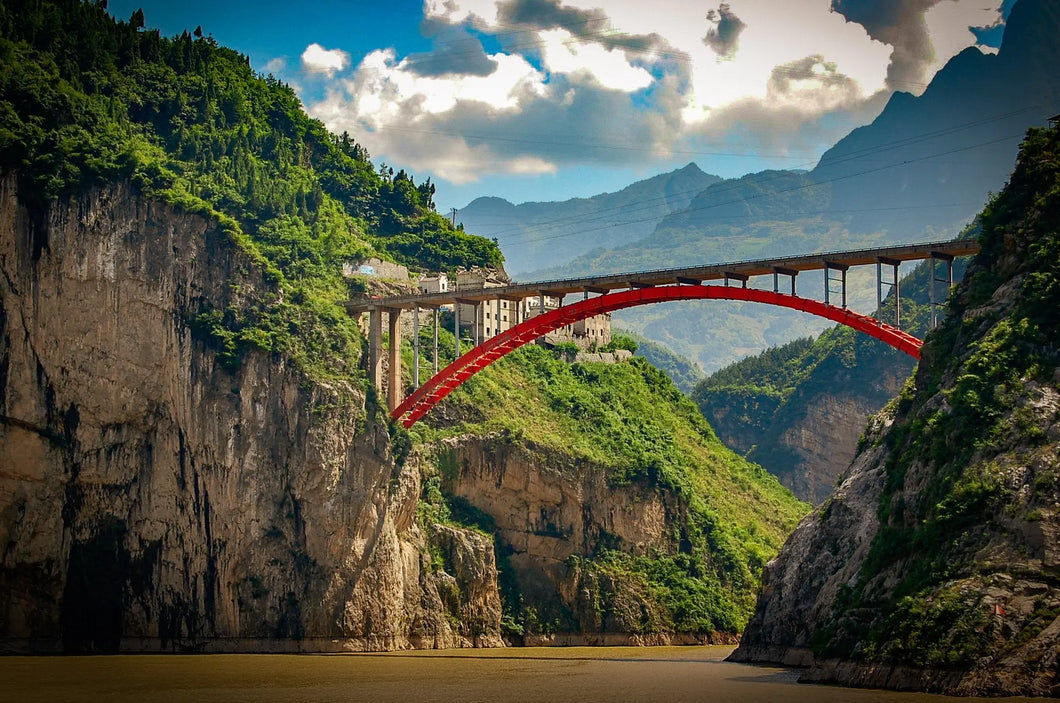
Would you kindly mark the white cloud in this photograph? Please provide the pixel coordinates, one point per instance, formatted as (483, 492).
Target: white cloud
(276, 66)
(609, 68)
(949, 24)
(317, 59)
(578, 81)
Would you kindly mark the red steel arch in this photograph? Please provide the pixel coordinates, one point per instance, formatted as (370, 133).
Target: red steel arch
(449, 378)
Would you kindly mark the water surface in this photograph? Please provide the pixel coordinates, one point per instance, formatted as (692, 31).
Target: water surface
(575, 674)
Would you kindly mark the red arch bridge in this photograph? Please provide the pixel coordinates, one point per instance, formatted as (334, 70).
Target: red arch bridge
(505, 317)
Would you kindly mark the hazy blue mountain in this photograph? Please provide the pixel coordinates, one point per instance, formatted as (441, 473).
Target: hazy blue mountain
(537, 235)
(921, 170)
(928, 160)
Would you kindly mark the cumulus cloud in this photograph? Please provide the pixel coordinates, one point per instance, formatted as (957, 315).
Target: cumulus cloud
(456, 53)
(814, 84)
(924, 34)
(317, 59)
(569, 82)
(723, 37)
(276, 65)
(591, 62)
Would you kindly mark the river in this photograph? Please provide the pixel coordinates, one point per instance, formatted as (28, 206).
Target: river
(576, 674)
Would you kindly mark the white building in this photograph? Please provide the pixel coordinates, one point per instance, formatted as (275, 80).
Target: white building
(434, 284)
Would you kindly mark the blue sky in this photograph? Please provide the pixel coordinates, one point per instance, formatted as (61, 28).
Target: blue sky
(552, 99)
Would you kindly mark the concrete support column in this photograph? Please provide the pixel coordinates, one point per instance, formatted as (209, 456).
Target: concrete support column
(882, 261)
(456, 328)
(933, 296)
(829, 268)
(778, 272)
(435, 357)
(416, 348)
(394, 395)
(375, 348)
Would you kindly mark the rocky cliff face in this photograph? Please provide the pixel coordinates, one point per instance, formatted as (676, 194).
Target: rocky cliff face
(936, 564)
(546, 510)
(151, 500)
(809, 437)
(813, 438)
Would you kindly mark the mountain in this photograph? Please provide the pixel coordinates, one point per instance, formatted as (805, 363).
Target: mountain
(799, 409)
(683, 372)
(532, 235)
(619, 517)
(192, 457)
(941, 154)
(919, 171)
(935, 564)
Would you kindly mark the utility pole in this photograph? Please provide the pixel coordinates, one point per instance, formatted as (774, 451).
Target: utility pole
(452, 213)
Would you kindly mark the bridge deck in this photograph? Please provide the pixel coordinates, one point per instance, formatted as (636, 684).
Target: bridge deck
(658, 277)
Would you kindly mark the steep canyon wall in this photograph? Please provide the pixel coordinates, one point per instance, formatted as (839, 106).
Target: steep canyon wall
(152, 500)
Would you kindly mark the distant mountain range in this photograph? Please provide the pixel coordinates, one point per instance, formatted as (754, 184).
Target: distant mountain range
(537, 236)
(921, 170)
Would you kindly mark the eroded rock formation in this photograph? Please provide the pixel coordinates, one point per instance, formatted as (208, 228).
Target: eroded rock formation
(152, 500)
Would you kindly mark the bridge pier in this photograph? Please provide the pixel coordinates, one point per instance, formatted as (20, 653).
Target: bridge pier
(948, 280)
(741, 277)
(394, 395)
(829, 267)
(779, 271)
(456, 328)
(375, 348)
(882, 261)
(435, 358)
(416, 348)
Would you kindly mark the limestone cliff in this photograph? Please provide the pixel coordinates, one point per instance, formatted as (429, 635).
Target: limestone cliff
(549, 511)
(152, 500)
(810, 438)
(936, 564)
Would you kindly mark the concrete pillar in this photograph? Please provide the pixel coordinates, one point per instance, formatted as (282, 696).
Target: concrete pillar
(893, 283)
(416, 348)
(375, 348)
(456, 328)
(435, 358)
(394, 389)
(477, 309)
(933, 297)
(829, 269)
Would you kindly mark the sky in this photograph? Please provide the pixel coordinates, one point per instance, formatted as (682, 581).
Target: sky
(538, 100)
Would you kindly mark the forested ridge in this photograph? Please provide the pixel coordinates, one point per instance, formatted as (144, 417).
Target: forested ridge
(87, 99)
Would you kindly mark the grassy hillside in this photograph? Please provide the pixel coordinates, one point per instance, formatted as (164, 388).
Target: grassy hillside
(86, 99)
(631, 418)
(682, 371)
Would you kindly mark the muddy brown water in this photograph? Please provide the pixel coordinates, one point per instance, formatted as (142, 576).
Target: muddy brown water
(575, 674)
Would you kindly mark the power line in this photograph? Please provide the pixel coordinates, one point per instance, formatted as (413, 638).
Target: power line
(789, 190)
(736, 183)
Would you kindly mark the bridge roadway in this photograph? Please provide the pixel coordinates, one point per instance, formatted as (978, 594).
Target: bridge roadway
(636, 288)
(740, 271)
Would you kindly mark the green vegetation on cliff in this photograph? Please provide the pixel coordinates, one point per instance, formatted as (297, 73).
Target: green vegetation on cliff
(972, 480)
(85, 99)
(760, 405)
(684, 372)
(630, 418)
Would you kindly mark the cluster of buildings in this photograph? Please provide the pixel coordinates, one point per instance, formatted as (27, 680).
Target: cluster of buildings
(480, 321)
